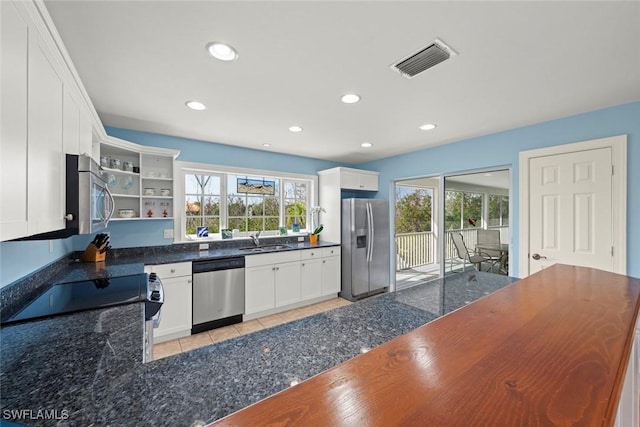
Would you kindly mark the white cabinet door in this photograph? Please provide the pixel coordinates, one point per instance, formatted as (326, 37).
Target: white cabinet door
(331, 275)
(175, 317)
(176, 310)
(311, 278)
(70, 124)
(45, 175)
(259, 289)
(369, 182)
(14, 36)
(287, 283)
(354, 180)
(86, 135)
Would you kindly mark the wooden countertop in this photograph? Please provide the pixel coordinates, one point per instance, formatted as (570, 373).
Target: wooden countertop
(551, 349)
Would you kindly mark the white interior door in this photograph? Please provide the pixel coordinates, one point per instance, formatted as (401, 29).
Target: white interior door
(571, 210)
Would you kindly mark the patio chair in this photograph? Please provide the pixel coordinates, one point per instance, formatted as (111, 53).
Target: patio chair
(475, 258)
(490, 237)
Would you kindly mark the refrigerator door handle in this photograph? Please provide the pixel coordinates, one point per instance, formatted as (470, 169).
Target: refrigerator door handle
(372, 232)
(368, 231)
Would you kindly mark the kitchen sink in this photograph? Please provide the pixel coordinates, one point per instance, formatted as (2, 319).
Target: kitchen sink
(265, 248)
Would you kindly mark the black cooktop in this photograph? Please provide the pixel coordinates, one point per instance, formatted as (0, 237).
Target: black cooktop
(69, 297)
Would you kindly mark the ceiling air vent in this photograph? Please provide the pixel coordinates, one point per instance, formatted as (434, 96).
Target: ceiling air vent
(425, 58)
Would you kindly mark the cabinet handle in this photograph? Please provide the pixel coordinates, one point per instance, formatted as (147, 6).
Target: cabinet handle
(273, 269)
(324, 260)
(188, 280)
(303, 264)
(277, 268)
(173, 270)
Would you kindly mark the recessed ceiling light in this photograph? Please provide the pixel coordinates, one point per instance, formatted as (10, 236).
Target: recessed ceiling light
(222, 51)
(195, 105)
(428, 126)
(366, 144)
(295, 129)
(350, 98)
(266, 145)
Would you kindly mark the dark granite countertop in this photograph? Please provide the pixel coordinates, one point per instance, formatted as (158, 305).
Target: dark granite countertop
(70, 365)
(180, 253)
(88, 366)
(127, 261)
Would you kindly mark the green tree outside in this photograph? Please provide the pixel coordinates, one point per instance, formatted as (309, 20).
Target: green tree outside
(413, 210)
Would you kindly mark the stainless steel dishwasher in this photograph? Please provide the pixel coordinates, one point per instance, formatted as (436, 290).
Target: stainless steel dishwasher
(218, 293)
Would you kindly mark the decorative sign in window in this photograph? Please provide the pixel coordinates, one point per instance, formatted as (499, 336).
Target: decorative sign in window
(256, 186)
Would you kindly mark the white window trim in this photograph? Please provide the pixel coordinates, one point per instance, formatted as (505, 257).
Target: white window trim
(181, 168)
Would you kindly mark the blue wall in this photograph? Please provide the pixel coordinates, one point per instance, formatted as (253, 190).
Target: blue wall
(503, 148)
(17, 259)
(20, 258)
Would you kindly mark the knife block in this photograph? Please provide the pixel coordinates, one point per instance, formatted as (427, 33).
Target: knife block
(92, 254)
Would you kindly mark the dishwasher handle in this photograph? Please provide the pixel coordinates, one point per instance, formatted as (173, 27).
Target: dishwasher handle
(217, 264)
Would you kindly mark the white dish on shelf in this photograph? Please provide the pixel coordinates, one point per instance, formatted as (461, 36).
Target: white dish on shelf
(149, 191)
(126, 213)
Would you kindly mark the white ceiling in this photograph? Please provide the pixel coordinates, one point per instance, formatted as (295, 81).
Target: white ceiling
(518, 63)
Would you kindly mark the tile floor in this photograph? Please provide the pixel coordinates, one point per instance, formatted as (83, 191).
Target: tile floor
(180, 345)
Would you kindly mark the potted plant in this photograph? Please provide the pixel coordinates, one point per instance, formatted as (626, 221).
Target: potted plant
(315, 234)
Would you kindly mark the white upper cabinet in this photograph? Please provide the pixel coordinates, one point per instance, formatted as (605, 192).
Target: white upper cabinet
(44, 114)
(331, 183)
(14, 39)
(76, 130)
(355, 179)
(45, 156)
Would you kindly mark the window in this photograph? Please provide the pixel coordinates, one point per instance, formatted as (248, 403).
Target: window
(202, 207)
(498, 210)
(463, 210)
(296, 195)
(246, 202)
(256, 208)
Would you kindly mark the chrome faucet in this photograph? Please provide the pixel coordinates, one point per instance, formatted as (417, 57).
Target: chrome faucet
(256, 238)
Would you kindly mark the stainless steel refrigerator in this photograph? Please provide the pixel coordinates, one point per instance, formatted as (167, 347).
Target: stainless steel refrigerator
(365, 247)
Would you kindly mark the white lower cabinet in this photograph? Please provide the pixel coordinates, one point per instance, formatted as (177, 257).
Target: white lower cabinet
(310, 278)
(287, 283)
(279, 281)
(311, 273)
(271, 280)
(175, 317)
(260, 288)
(331, 271)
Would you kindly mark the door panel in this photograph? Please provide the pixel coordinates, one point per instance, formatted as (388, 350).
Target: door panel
(359, 244)
(571, 209)
(379, 266)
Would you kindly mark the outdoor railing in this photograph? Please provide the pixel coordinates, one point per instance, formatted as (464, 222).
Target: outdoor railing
(414, 249)
(417, 249)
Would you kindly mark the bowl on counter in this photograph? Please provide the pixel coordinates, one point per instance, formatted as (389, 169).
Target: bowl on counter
(126, 213)
(165, 192)
(149, 191)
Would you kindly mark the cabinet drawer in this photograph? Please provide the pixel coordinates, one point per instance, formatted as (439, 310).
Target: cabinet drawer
(167, 271)
(272, 258)
(311, 253)
(331, 251)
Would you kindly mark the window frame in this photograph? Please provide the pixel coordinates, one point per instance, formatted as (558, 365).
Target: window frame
(182, 168)
(503, 202)
(462, 214)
